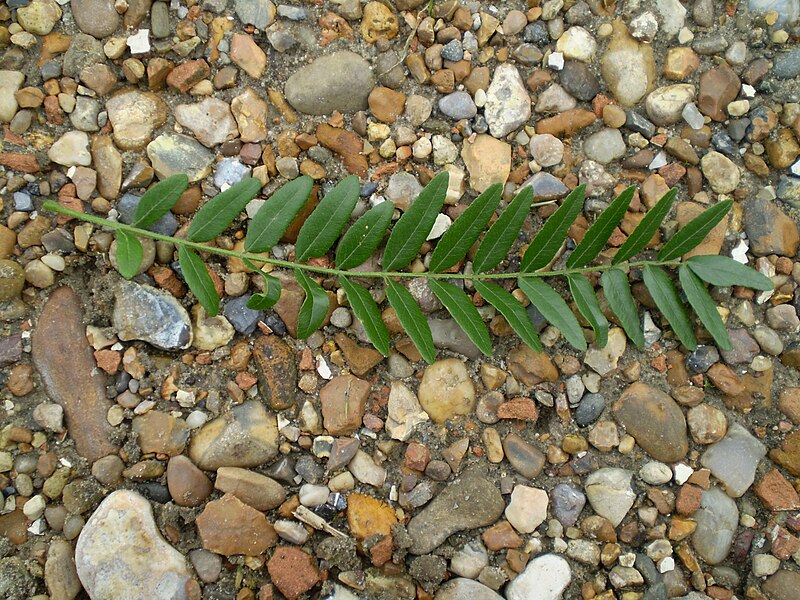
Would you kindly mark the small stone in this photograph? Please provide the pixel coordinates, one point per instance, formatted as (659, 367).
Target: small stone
(343, 401)
(527, 509)
(721, 172)
(446, 390)
(577, 43)
(531, 367)
(526, 458)
(605, 360)
(188, 485)
(135, 115)
(259, 13)
(71, 149)
(210, 121)
(665, 105)
(368, 516)
(156, 317)
(544, 578)
(459, 587)
(458, 105)
(610, 494)
(777, 493)
(578, 80)
(508, 104)
(734, 459)
(245, 53)
(172, 154)
(228, 526)
(97, 18)
(628, 66)
(404, 412)
(717, 521)
(706, 424)
(160, 433)
(293, 571)
(769, 230)
(488, 161)
(718, 88)
(340, 81)
(605, 146)
(546, 149)
(387, 104)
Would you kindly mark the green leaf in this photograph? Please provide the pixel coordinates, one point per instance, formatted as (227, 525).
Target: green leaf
(669, 303)
(129, 254)
(412, 319)
(270, 295)
(554, 309)
(587, 302)
(277, 213)
(553, 233)
(464, 312)
(500, 237)
(646, 229)
(368, 313)
(413, 227)
(694, 232)
(466, 229)
(512, 310)
(704, 306)
(324, 225)
(219, 212)
(199, 281)
(724, 271)
(360, 241)
(618, 293)
(598, 234)
(314, 308)
(159, 199)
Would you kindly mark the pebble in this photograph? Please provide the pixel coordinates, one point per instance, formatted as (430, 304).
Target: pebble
(769, 229)
(135, 115)
(605, 146)
(71, 149)
(458, 105)
(171, 154)
(97, 18)
(665, 105)
(544, 578)
(153, 316)
(610, 494)
(243, 319)
(782, 585)
(508, 104)
(628, 66)
(567, 502)
(589, 409)
(527, 508)
(452, 511)
(404, 412)
(259, 13)
(210, 121)
(228, 527)
(578, 44)
(120, 551)
(718, 88)
(470, 560)
(546, 149)
(655, 473)
(717, 521)
(733, 460)
(721, 172)
(578, 80)
(340, 81)
(188, 485)
(787, 64)
(39, 17)
(10, 82)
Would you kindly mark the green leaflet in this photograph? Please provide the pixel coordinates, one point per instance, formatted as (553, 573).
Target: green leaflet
(218, 213)
(618, 293)
(199, 281)
(695, 231)
(411, 318)
(314, 308)
(360, 241)
(704, 306)
(277, 213)
(587, 302)
(129, 254)
(413, 227)
(646, 229)
(326, 223)
(545, 245)
(159, 199)
(368, 313)
(270, 295)
(500, 237)
(598, 234)
(669, 303)
(466, 229)
(512, 310)
(554, 309)
(464, 312)
(724, 271)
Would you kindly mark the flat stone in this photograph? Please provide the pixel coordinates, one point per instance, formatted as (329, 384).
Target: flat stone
(458, 105)
(718, 88)
(460, 587)
(544, 578)
(10, 82)
(777, 493)
(150, 315)
(248, 55)
(567, 502)
(665, 104)
(245, 437)
(343, 401)
(229, 527)
(120, 551)
(172, 154)
(610, 494)
(508, 104)
(276, 367)
(108, 164)
(717, 521)
(210, 120)
(734, 459)
(546, 149)
(527, 508)
(526, 458)
(259, 13)
(293, 571)
(340, 81)
(654, 420)
(546, 186)
(97, 18)
(466, 503)
(135, 115)
(187, 485)
(782, 585)
(368, 516)
(577, 79)
(769, 229)
(721, 172)
(254, 489)
(488, 161)
(71, 149)
(251, 114)
(64, 360)
(446, 391)
(39, 17)
(531, 367)
(60, 573)
(605, 146)
(404, 412)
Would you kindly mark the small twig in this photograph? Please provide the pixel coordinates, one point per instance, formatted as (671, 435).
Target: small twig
(304, 515)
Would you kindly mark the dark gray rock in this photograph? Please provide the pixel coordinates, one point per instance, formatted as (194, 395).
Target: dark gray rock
(578, 80)
(244, 320)
(166, 225)
(590, 409)
(153, 316)
(567, 502)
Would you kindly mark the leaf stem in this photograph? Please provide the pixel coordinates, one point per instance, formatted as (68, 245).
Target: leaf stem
(333, 272)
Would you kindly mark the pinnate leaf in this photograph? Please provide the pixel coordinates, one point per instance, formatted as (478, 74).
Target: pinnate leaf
(367, 311)
(219, 212)
(618, 293)
(501, 235)
(512, 311)
(314, 308)
(199, 281)
(466, 229)
(159, 200)
(464, 312)
(646, 229)
(360, 241)
(412, 319)
(545, 245)
(724, 271)
(270, 295)
(589, 306)
(412, 229)
(276, 214)
(324, 225)
(666, 297)
(554, 309)
(694, 232)
(129, 254)
(598, 234)
(704, 306)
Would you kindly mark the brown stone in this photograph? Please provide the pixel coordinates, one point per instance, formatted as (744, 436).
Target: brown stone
(688, 499)
(680, 63)
(187, 484)
(523, 409)
(251, 113)
(14, 527)
(567, 123)
(368, 516)
(789, 404)
(769, 229)
(293, 571)
(531, 367)
(20, 380)
(724, 378)
(17, 161)
(186, 76)
(158, 69)
(257, 490)
(276, 366)
(501, 536)
(783, 585)
(100, 78)
(346, 144)
(718, 88)
(776, 493)
(343, 401)
(248, 55)
(782, 150)
(63, 358)
(360, 359)
(788, 455)
(161, 433)
(386, 104)
(228, 526)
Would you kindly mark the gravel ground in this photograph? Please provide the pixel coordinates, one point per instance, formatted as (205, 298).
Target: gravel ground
(148, 451)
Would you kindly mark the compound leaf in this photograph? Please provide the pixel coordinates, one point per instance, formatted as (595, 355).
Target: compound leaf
(199, 281)
(666, 297)
(554, 309)
(411, 318)
(276, 214)
(219, 212)
(368, 313)
(464, 312)
(326, 223)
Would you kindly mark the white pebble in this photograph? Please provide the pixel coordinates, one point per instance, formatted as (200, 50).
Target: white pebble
(313, 495)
